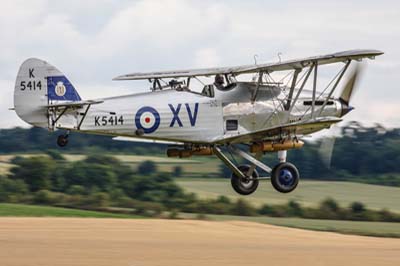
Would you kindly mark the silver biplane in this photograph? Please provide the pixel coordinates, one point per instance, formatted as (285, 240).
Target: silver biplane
(265, 113)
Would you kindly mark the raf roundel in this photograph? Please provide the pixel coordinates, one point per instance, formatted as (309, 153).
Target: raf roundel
(148, 119)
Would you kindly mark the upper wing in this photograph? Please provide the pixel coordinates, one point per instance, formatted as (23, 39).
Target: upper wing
(270, 67)
(299, 128)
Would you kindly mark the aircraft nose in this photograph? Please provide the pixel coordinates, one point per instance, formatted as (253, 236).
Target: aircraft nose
(346, 108)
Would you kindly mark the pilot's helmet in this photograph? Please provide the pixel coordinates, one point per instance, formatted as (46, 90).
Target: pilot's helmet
(219, 80)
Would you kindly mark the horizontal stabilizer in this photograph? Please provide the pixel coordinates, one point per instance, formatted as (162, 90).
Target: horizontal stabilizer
(74, 104)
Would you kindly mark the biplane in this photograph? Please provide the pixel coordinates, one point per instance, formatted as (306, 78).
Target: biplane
(244, 111)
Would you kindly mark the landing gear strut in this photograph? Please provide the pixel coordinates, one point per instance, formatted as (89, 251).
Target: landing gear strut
(245, 178)
(62, 140)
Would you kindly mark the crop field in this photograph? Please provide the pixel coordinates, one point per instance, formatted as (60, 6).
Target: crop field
(308, 193)
(90, 241)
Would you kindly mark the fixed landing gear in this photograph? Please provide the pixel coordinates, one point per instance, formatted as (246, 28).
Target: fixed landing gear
(245, 178)
(246, 185)
(285, 177)
(62, 140)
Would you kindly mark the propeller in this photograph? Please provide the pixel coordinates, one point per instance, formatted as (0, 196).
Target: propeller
(326, 148)
(328, 143)
(349, 88)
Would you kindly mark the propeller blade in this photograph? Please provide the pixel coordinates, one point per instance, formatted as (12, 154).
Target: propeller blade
(328, 144)
(351, 84)
(326, 150)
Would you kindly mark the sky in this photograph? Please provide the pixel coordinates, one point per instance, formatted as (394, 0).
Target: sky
(93, 41)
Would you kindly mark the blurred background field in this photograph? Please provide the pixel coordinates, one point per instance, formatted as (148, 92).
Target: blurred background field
(95, 176)
(197, 167)
(21, 210)
(308, 193)
(346, 227)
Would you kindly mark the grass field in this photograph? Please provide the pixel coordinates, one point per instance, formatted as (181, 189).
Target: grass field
(380, 229)
(19, 210)
(308, 193)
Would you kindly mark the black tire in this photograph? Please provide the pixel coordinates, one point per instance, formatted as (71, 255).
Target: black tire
(244, 186)
(285, 177)
(62, 141)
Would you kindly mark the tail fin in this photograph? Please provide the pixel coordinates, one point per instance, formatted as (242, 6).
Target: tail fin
(39, 84)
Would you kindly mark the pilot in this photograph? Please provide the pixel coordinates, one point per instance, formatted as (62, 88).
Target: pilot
(173, 83)
(178, 85)
(219, 81)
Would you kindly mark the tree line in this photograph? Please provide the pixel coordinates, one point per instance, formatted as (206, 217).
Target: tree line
(361, 154)
(104, 183)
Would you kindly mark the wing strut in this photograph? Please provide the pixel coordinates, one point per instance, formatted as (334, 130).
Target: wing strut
(314, 89)
(254, 97)
(301, 87)
(334, 86)
(294, 80)
(59, 116)
(83, 117)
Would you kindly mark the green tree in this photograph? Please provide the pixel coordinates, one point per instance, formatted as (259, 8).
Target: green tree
(10, 188)
(147, 168)
(46, 197)
(99, 200)
(76, 190)
(158, 188)
(294, 209)
(223, 199)
(177, 171)
(36, 172)
(243, 208)
(329, 204)
(91, 176)
(357, 207)
(329, 209)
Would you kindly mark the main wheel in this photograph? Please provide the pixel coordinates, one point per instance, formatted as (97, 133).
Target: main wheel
(62, 140)
(285, 177)
(244, 186)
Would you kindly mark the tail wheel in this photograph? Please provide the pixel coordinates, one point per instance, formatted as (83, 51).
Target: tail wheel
(285, 177)
(62, 140)
(244, 186)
